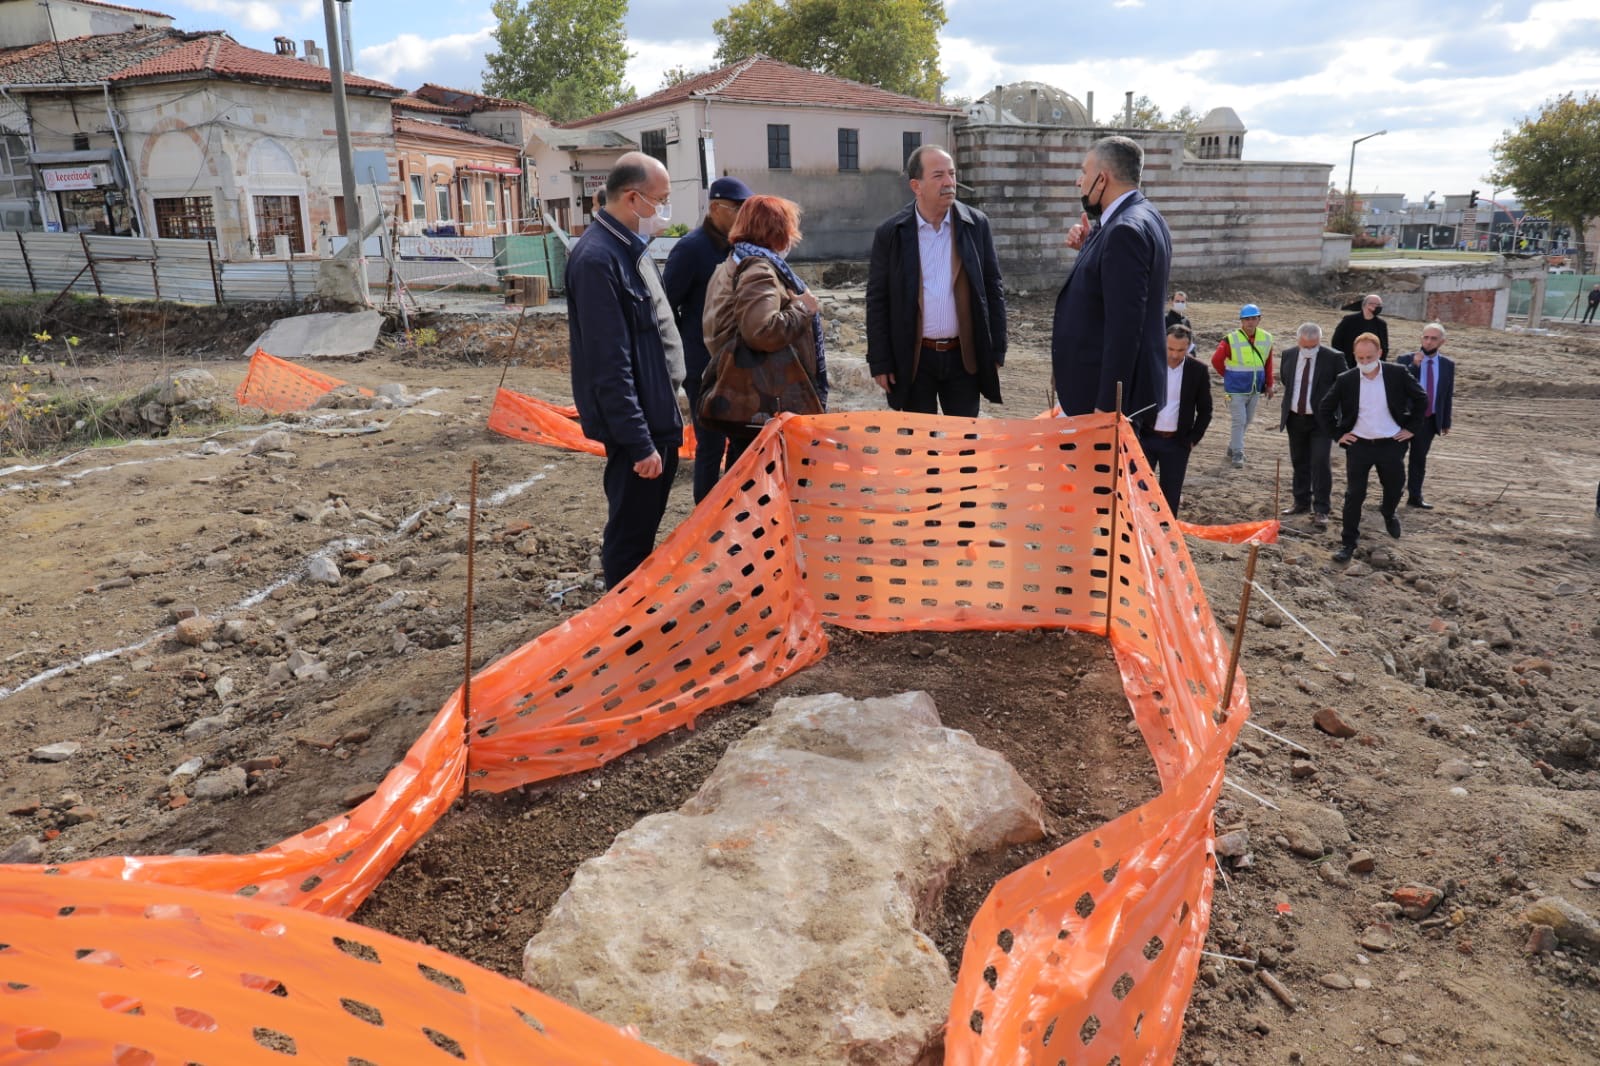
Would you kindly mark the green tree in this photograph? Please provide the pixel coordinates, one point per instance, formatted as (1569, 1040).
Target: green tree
(1553, 161)
(893, 44)
(565, 57)
(680, 73)
(1147, 115)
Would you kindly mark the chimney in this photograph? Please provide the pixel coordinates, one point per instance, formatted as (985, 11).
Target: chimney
(1127, 117)
(284, 46)
(313, 53)
(344, 34)
(1089, 105)
(1033, 106)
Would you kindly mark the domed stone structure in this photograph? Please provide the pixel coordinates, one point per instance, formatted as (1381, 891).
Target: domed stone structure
(1029, 103)
(1220, 135)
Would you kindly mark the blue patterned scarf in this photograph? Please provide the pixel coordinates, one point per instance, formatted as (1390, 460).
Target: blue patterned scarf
(745, 248)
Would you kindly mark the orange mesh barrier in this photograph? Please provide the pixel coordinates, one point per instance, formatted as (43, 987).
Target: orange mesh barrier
(102, 972)
(274, 384)
(877, 521)
(542, 422)
(1263, 532)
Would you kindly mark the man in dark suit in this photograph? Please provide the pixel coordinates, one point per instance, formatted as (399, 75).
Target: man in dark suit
(1110, 325)
(1371, 411)
(688, 271)
(1308, 372)
(936, 314)
(1365, 320)
(1437, 375)
(1182, 420)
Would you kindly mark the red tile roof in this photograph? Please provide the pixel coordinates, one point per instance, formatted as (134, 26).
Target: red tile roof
(412, 102)
(470, 101)
(761, 79)
(439, 133)
(222, 57)
(88, 58)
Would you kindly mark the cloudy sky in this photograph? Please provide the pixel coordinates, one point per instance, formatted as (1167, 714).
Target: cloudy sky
(1444, 79)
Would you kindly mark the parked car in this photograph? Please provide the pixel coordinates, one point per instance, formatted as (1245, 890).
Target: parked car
(1562, 270)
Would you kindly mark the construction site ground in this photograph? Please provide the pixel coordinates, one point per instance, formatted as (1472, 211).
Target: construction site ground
(1461, 660)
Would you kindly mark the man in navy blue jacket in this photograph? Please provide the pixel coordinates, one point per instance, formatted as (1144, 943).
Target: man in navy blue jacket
(623, 381)
(1110, 325)
(1437, 375)
(688, 270)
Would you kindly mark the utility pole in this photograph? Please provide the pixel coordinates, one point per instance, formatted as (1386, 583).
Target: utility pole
(347, 166)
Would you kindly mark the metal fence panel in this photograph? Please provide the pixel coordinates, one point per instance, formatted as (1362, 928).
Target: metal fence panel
(268, 279)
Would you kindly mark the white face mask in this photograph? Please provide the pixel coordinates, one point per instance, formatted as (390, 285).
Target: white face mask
(1180, 307)
(1369, 370)
(653, 225)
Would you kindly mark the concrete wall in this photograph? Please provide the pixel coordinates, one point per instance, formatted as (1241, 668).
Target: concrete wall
(1227, 216)
(24, 22)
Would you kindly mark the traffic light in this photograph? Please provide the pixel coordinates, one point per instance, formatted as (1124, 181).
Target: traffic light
(1472, 201)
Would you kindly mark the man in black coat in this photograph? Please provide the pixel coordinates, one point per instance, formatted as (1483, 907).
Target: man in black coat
(936, 313)
(1356, 323)
(1371, 411)
(1110, 327)
(1307, 372)
(1182, 420)
(689, 268)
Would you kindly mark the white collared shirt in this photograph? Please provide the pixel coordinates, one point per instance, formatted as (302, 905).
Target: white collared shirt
(1373, 420)
(1303, 371)
(1167, 419)
(1111, 208)
(938, 281)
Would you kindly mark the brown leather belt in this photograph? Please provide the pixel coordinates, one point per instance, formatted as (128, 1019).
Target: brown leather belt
(944, 345)
(1165, 432)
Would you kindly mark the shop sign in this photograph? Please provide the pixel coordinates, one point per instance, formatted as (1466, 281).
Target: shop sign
(593, 183)
(62, 179)
(447, 247)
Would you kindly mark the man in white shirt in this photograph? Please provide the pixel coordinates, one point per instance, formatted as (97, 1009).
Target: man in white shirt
(936, 312)
(1371, 410)
(1308, 371)
(1181, 421)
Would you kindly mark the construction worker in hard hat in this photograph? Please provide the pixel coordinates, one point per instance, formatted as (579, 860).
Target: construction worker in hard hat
(1244, 359)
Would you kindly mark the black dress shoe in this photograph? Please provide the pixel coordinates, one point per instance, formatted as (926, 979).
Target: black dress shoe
(1416, 501)
(1392, 524)
(1319, 520)
(1344, 554)
(1298, 508)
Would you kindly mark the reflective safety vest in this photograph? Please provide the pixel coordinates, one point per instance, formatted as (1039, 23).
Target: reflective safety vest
(1245, 371)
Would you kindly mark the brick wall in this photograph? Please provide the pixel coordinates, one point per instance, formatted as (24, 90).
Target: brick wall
(1227, 216)
(1467, 307)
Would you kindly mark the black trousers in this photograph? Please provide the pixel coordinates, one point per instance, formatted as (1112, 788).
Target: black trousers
(1169, 457)
(1588, 316)
(942, 382)
(634, 506)
(710, 445)
(1417, 460)
(1360, 459)
(1310, 452)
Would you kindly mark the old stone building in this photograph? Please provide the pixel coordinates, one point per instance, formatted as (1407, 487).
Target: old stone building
(1228, 215)
(158, 132)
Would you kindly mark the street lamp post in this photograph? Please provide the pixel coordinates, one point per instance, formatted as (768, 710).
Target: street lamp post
(1350, 179)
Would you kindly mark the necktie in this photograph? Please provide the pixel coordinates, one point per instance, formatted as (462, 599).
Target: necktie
(1428, 373)
(1305, 383)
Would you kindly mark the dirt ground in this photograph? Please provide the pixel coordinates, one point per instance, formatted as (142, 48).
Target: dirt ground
(1463, 656)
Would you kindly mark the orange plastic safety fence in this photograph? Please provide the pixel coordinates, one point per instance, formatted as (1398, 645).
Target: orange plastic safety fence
(274, 384)
(879, 521)
(99, 971)
(542, 422)
(1263, 532)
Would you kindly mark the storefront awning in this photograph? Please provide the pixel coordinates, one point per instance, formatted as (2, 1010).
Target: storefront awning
(88, 155)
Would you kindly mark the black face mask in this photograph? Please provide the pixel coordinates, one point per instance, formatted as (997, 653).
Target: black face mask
(1092, 210)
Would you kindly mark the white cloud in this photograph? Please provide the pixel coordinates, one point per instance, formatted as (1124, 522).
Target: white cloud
(259, 15)
(410, 59)
(650, 60)
(1550, 22)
